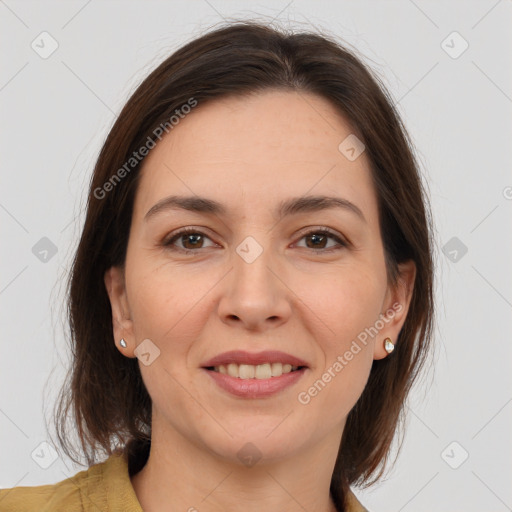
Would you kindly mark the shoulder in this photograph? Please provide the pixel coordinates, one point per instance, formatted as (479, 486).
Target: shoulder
(63, 495)
(83, 492)
(353, 504)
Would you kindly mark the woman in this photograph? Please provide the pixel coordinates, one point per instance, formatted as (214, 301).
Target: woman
(251, 299)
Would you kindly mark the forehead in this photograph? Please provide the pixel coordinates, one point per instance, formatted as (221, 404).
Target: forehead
(257, 149)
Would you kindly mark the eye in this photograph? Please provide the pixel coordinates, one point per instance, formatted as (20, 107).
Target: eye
(318, 239)
(190, 238)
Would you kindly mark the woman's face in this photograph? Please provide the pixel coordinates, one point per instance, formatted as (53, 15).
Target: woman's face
(255, 273)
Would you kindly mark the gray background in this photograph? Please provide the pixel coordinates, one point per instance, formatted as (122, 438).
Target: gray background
(57, 110)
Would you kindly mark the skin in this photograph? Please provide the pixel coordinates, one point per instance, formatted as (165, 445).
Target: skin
(249, 154)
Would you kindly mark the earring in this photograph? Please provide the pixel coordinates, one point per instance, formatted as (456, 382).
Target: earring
(123, 343)
(388, 345)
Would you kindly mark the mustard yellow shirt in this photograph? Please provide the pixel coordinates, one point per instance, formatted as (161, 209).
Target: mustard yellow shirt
(104, 487)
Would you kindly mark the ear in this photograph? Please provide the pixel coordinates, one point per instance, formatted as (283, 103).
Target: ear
(121, 322)
(395, 307)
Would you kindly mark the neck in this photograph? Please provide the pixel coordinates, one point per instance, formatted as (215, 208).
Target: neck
(180, 475)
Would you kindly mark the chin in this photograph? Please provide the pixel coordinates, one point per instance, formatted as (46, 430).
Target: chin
(260, 444)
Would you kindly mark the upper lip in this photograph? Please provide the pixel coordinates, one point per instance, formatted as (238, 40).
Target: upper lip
(253, 358)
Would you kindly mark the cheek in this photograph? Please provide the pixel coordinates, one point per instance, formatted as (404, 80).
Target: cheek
(165, 302)
(348, 303)
(347, 300)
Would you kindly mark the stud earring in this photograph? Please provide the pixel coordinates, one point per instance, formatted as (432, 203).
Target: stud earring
(388, 345)
(123, 343)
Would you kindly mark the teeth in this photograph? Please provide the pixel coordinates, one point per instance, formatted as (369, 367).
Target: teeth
(246, 371)
(261, 371)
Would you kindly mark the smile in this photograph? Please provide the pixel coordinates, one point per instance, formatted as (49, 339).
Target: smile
(260, 371)
(255, 387)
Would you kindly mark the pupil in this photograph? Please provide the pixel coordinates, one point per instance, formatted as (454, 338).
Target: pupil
(195, 239)
(319, 238)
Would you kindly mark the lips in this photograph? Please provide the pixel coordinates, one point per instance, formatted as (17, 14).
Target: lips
(241, 357)
(274, 371)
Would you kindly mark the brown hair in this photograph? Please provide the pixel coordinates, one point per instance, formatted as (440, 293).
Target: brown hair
(110, 404)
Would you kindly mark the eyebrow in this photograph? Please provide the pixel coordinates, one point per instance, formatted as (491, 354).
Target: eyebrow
(286, 208)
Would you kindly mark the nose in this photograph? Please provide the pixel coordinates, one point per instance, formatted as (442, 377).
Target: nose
(254, 295)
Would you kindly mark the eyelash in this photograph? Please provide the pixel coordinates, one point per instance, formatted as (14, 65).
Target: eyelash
(322, 231)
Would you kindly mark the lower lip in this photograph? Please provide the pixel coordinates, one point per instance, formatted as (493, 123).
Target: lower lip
(255, 388)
